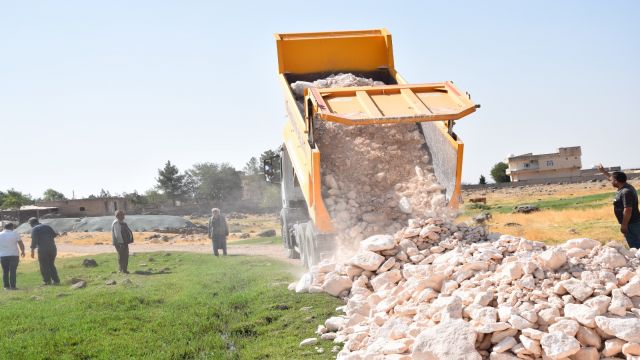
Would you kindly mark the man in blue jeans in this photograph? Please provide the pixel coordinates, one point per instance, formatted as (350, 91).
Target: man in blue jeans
(625, 206)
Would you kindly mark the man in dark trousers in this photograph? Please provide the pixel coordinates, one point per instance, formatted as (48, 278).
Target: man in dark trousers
(218, 231)
(121, 236)
(625, 206)
(42, 238)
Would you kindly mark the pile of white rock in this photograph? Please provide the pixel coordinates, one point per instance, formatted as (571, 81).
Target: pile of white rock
(436, 290)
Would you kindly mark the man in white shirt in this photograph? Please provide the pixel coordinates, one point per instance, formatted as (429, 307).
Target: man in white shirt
(9, 255)
(121, 237)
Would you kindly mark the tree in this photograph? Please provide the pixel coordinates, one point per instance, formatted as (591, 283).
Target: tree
(53, 195)
(499, 173)
(252, 167)
(216, 182)
(14, 199)
(171, 182)
(482, 180)
(155, 197)
(104, 194)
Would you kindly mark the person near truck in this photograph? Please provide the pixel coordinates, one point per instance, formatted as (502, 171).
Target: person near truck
(43, 238)
(9, 255)
(121, 237)
(625, 206)
(218, 232)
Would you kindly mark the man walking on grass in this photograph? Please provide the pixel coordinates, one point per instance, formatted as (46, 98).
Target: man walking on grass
(121, 236)
(218, 231)
(625, 206)
(9, 255)
(43, 239)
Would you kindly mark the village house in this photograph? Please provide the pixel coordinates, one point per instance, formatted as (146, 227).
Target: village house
(87, 207)
(565, 163)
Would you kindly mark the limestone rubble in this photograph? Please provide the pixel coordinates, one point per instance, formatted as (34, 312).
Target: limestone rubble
(438, 290)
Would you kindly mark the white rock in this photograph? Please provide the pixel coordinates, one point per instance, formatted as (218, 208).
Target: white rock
(584, 314)
(586, 353)
(367, 260)
(632, 288)
(388, 278)
(559, 345)
(533, 346)
(631, 349)
(309, 341)
(568, 327)
(334, 284)
(505, 344)
(335, 323)
(405, 205)
(582, 243)
(599, 303)
(378, 243)
(610, 258)
(452, 339)
(552, 258)
(578, 289)
(304, 283)
(619, 303)
(612, 347)
(623, 328)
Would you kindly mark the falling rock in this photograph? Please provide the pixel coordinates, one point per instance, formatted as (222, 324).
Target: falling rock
(378, 243)
(558, 345)
(623, 328)
(405, 205)
(335, 323)
(367, 260)
(334, 284)
(452, 339)
(386, 278)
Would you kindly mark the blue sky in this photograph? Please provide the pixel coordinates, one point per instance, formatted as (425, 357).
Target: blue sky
(99, 94)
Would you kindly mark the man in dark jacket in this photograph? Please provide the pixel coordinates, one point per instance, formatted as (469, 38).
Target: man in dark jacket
(42, 238)
(625, 206)
(218, 232)
(121, 237)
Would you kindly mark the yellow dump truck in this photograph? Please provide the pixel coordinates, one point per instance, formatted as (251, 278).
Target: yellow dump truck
(306, 224)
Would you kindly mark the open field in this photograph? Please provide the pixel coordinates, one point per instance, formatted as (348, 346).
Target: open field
(566, 211)
(203, 308)
(250, 225)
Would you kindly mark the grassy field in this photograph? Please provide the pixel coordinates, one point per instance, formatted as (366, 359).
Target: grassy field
(203, 308)
(566, 212)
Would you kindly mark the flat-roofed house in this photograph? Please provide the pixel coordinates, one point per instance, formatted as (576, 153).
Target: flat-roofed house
(565, 163)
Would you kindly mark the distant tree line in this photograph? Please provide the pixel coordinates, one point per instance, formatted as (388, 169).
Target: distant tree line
(203, 183)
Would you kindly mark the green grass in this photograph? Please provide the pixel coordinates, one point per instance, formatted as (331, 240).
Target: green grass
(206, 308)
(574, 202)
(274, 240)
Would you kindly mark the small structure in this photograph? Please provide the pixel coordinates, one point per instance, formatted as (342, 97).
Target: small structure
(565, 163)
(25, 212)
(87, 207)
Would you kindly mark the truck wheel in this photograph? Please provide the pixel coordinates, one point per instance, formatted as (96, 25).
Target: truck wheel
(293, 254)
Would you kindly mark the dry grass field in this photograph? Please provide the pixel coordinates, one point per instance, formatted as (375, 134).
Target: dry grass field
(566, 211)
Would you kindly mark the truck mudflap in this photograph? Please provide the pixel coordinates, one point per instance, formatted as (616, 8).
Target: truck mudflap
(390, 104)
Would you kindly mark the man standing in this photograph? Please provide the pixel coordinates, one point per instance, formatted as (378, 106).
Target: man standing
(121, 236)
(218, 232)
(42, 238)
(9, 242)
(625, 206)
